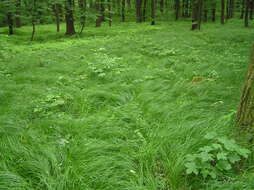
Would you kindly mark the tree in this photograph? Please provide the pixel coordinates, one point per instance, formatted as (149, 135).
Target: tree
(222, 16)
(196, 14)
(138, 11)
(246, 15)
(69, 18)
(153, 4)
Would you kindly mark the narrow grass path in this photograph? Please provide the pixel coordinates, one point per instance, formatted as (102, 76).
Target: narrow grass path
(117, 108)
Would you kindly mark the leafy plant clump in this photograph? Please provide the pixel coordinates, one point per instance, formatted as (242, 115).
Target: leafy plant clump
(216, 159)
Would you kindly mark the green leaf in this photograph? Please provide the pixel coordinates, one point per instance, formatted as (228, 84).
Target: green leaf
(223, 165)
(234, 158)
(204, 156)
(191, 168)
(206, 149)
(222, 156)
(210, 135)
(244, 152)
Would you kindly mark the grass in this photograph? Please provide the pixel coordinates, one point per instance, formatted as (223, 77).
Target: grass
(117, 108)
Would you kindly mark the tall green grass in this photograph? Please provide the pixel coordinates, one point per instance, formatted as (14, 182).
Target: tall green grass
(117, 108)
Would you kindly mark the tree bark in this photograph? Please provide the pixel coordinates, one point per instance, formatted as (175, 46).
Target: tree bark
(245, 113)
(56, 9)
(70, 29)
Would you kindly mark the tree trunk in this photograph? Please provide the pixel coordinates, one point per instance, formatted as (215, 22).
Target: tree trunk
(17, 18)
(109, 13)
(214, 11)
(246, 16)
(242, 9)
(177, 9)
(138, 11)
(245, 113)
(222, 16)
(56, 10)
(70, 29)
(10, 23)
(162, 6)
(196, 14)
(123, 10)
(99, 18)
(82, 7)
(144, 11)
(153, 12)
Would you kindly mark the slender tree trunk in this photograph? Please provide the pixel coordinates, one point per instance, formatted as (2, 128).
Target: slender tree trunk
(196, 14)
(222, 16)
(214, 11)
(246, 16)
(56, 10)
(162, 6)
(242, 9)
(129, 4)
(153, 9)
(123, 10)
(245, 113)
(109, 12)
(251, 9)
(177, 9)
(99, 18)
(70, 29)
(82, 7)
(138, 11)
(144, 11)
(17, 18)
(10, 23)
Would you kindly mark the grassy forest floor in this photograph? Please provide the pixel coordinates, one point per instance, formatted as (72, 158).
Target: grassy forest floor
(118, 108)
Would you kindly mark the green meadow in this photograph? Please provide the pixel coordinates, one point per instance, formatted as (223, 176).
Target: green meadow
(119, 108)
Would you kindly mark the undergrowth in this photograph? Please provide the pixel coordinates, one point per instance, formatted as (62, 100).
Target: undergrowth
(120, 107)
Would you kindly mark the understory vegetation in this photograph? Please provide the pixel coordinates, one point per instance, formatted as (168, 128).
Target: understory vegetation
(123, 107)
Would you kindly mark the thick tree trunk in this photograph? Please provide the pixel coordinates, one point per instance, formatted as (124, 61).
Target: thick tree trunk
(153, 9)
(222, 15)
(245, 113)
(70, 29)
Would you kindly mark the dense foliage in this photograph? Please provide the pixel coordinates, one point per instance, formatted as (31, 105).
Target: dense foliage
(77, 13)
